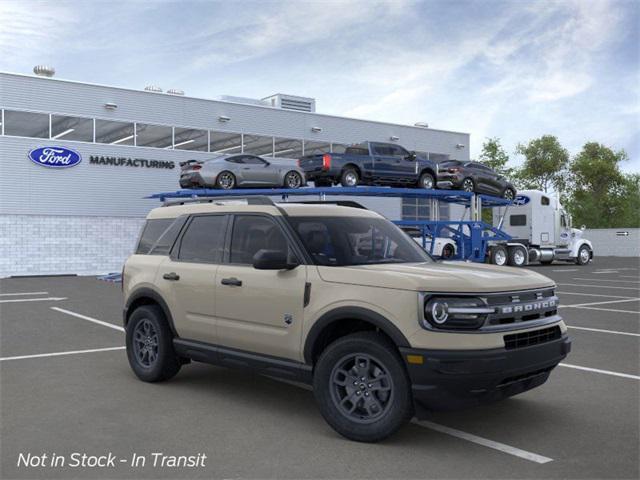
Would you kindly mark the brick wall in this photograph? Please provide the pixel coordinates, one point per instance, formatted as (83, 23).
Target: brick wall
(42, 245)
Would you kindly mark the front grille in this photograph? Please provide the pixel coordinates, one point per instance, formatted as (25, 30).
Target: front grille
(519, 307)
(535, 337)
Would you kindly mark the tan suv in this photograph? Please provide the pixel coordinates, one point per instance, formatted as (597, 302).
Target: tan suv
(340, 298)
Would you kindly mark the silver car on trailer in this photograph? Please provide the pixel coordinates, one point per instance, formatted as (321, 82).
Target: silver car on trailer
(241, 170)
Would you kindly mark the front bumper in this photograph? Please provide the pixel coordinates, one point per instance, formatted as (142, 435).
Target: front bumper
(449, 180)
(448, 380)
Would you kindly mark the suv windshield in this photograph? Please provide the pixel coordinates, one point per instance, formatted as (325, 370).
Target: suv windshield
(346, 241)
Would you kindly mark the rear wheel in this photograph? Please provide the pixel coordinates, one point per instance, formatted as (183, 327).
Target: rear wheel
(499, 255)
(349, 178)
(293, 180)
(448, 251)
(362, 387)
(509, 194)
(150, 345)
(584, 255)
(226, 180)
(426, 181)
(468, 185)
(517, 256)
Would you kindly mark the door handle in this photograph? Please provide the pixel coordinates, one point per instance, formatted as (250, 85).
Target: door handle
(171, 276)
(232, 282)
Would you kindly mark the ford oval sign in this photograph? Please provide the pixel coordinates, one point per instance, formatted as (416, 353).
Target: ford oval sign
(521, 200)
(55, 157)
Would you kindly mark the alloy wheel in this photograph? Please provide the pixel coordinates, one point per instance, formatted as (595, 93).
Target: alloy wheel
(518, 257)
(226, 181)
(508, 194)
(584, 255)
(145, 343)
(427, 182)
(293, 180)
(351, 179)
(361, 388)
(467, 185)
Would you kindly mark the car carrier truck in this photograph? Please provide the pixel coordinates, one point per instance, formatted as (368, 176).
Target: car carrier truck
(540, 231)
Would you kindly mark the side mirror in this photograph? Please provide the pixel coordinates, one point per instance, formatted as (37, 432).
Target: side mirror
(411, 156)
(272, 260)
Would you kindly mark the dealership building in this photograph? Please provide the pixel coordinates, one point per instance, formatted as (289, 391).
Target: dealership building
(85, 219)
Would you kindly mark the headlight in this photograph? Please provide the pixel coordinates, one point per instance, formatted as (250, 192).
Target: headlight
(455, 312)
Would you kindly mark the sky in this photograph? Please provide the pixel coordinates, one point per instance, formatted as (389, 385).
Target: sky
(515, 70)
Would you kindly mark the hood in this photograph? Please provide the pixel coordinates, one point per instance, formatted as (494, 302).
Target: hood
(450, 277)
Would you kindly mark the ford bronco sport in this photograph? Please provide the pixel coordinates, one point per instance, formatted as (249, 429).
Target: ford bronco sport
(337, 297)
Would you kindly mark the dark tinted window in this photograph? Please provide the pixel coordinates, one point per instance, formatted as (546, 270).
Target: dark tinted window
(151, 233)
(168, 238)
(253, 160)
(357, 151)
(344, 241)
(203, 240)
(252, 233)
(518, 220)
(238, 159)
(544, 201)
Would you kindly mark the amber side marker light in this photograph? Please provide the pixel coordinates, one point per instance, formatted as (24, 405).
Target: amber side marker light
(415, 359)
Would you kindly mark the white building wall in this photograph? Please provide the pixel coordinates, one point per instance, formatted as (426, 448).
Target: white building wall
(613, 241)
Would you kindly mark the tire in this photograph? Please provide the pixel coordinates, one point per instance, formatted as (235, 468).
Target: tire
(226, 180)
(499, 255)
(468, 185)
(584, 255)
(508, 194)
(427, 181)
(517, 256)
(148, 367)
(337, 380)
(293, 180)
(448, 251)
(349, 177)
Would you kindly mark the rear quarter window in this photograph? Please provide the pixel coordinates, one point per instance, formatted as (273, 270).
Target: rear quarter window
(158, 235)
(518, 220)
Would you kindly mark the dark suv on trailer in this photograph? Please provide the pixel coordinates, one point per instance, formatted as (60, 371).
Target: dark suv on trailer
(474, 177)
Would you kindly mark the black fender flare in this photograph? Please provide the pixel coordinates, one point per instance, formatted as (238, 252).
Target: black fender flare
(352, 313)
(146, 292)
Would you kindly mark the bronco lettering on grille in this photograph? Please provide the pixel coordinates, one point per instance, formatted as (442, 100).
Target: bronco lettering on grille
(528, 307)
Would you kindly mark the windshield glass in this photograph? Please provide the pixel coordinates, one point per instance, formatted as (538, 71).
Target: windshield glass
(346, 241)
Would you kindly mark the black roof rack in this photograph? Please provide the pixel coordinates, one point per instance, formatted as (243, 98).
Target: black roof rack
(251, 200)
(340, 203)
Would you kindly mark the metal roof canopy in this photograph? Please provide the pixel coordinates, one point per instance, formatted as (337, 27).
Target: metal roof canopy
(449, 196)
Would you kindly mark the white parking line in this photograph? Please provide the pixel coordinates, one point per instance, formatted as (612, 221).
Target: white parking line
(628, 276)
(609, 310)
(597, 370)
(604, 272)
(23, 293)
(605, 280)
(47, 299)
(598, 303)
(57, 354)
(612, 287)
(567, 270)
(89, 319)
(532, 457)
(599, 330)
(591, 295)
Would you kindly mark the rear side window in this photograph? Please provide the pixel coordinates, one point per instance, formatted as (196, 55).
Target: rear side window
(252, 233)
(357, 151)
(168, 238)
(518, 220)
(151, 232)
(203, 241)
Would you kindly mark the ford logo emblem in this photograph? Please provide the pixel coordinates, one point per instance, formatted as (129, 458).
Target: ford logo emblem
(521, 200)
(55, 157)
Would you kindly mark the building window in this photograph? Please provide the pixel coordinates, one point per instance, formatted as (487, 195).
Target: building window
(26, 124)
(191, 139)
(258, 145)
(313, 148)
(225, 143)
(114, 133)
(287, 148)
(157, 136)
(71, 128)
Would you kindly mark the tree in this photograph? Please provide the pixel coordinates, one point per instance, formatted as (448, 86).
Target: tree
(545, 164)
(600, 195)
(494, 156)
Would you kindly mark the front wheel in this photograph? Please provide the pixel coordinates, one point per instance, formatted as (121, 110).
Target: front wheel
(584, 255)
(150, 345)
(362, 388)
(293, 180)
(426, 181)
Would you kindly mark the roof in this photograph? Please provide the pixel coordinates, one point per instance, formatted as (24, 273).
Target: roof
(240, 206)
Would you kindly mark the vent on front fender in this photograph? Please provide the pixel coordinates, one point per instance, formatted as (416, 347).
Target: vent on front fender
(535, 337)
